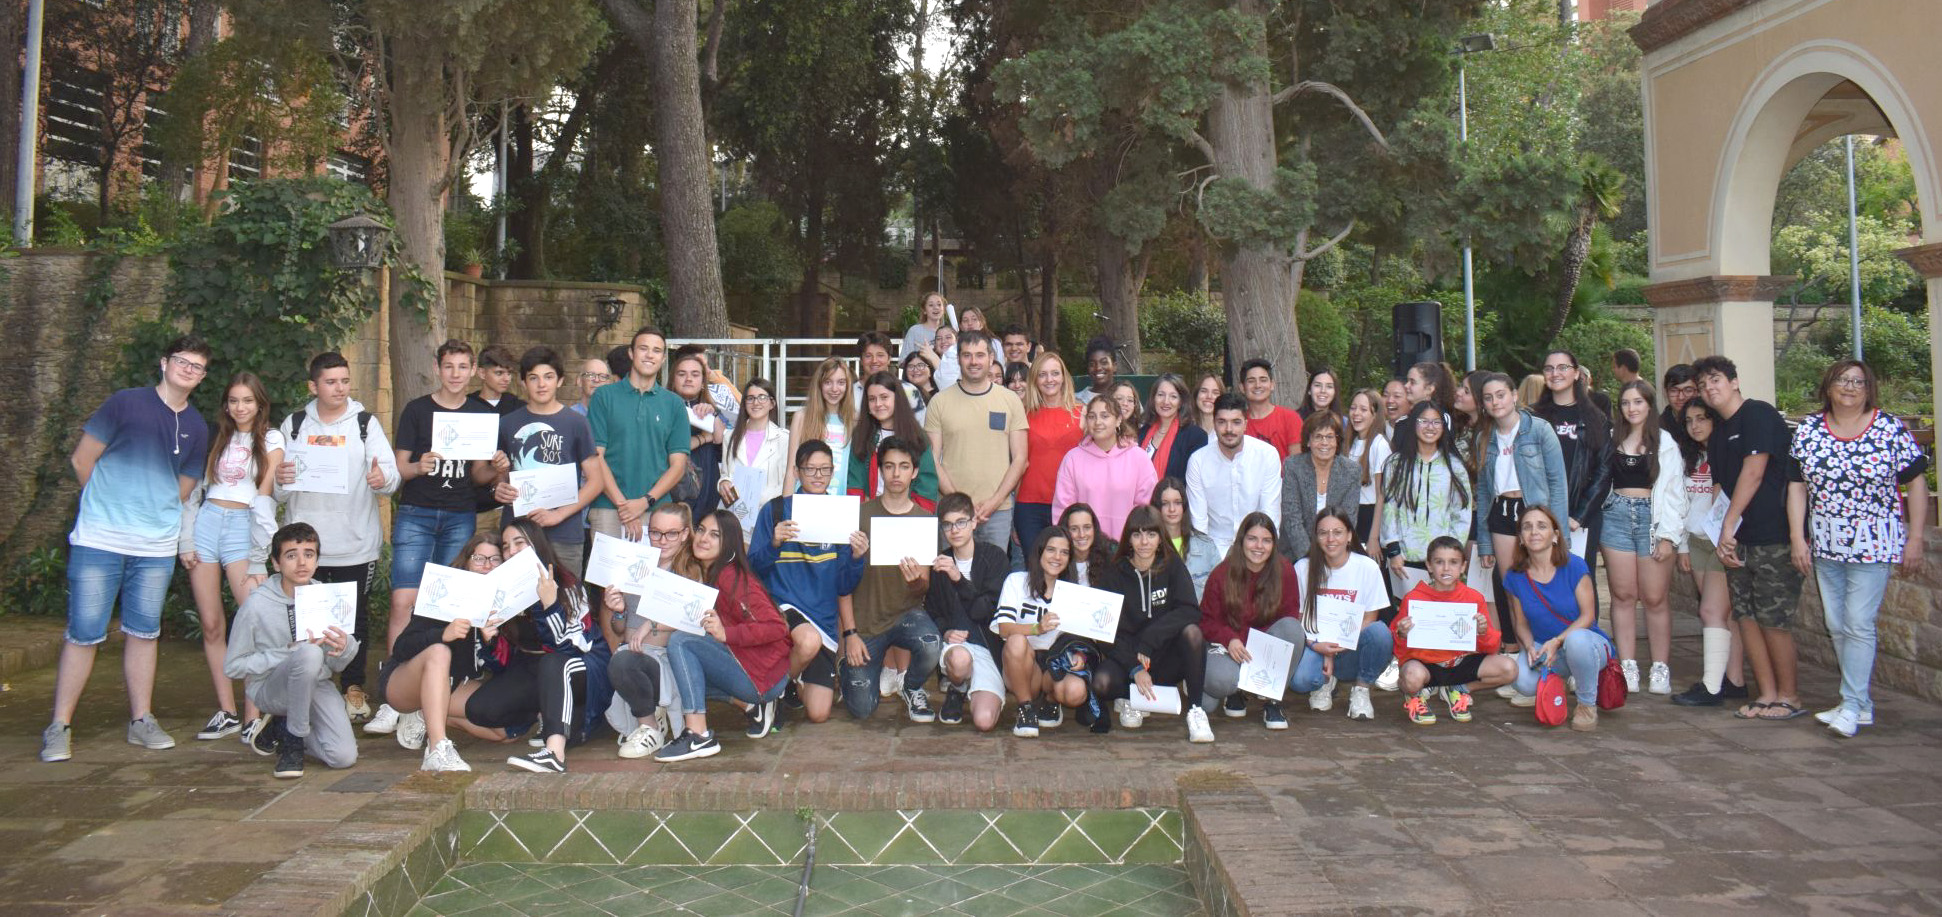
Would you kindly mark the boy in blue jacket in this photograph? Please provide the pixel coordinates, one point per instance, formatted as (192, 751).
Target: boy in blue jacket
(809, 582)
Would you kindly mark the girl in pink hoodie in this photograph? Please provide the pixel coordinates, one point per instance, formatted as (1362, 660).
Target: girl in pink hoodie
(1112, 474)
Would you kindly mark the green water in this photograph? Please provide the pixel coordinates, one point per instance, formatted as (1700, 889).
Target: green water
(479, 889)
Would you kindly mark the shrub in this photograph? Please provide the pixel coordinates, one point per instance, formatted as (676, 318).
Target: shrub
(1593, 342)
(1188, 325)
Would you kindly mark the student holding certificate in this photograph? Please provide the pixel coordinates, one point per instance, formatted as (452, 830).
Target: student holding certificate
(1029, 628)
(1092, 554)
(809, 581)
(965, 581)
(639, 667)
(1160, 640)
(744, 654)
(887, 610)
(432, 658)
(1451, 673)
(756, 450)
(1337, 580)
(1253, 589)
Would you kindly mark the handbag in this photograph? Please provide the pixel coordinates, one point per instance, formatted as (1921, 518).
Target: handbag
(1550, 708)
(1611, 678)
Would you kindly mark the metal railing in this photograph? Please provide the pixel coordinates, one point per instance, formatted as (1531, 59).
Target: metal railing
(775, 359)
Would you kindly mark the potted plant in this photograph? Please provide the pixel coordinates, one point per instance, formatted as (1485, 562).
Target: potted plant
(472, 262)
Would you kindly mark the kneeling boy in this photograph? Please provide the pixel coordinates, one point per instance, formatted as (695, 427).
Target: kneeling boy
(1452, 673)
(288, 678)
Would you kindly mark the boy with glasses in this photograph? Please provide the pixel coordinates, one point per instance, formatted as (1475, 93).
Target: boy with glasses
(140, 456)
(811, 583)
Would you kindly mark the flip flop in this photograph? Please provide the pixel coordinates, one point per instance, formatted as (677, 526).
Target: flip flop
(1754, 706)
(1792, 711)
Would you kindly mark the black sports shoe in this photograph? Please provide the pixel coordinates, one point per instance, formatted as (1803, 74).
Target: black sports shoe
(689, 745)
(539, 762)
(917, 703)
(1235, 705)
(1050, 714)
(1026, 726)
(1083, 715)
(1101, 724)
(289, 755)
(1698, 696)
(761, 718)
(1731, 691)
(1272, 717)
(264, 742)
(791, 698)
(952, 712)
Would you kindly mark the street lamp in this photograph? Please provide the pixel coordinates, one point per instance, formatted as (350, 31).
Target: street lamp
(1466, 46)
(357, 243)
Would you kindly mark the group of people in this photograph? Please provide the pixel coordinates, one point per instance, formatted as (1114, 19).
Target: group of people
(1210, 513)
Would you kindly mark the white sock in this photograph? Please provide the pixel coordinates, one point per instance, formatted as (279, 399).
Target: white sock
(1715, 645)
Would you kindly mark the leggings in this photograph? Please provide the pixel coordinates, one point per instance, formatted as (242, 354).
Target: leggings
(1183, 658)
(550, 686)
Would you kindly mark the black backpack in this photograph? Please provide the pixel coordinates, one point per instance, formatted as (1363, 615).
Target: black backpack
(295, 421)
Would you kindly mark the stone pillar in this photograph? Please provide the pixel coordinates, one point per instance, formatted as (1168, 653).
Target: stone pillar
(1729, 315)
(1927, 261)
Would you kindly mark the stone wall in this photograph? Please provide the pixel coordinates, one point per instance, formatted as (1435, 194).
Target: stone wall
(58, 361)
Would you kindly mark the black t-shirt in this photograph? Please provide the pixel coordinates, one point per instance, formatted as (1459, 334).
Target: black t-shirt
(450, 487)
(1755, 429)
(1569, 421)
(508, 403)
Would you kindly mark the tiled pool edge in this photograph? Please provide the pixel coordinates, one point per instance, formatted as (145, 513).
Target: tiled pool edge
(380, 861)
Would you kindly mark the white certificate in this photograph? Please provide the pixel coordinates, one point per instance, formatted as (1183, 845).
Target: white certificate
(1266, 673)
(321, 469)
(1715, 522)
(1579, 539)
(448, 594)
(465, 435)
(617, 563)
(512, 587)
(1166, 699)
(1475, 576)
(749, 482)
(893, 538)
(1087, 612)
(825, 518)
(1443, 626)
(544, 487)
(1337, 621)
(322, 606)
(676, 601)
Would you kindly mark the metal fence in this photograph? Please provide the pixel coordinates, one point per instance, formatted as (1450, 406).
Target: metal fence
(788, 362)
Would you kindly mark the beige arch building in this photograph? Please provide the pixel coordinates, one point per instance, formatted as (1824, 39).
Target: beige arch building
(1737, 91)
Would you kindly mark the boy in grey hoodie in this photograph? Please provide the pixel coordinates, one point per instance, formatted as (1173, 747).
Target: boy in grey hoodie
(348, 522)
(289, 679)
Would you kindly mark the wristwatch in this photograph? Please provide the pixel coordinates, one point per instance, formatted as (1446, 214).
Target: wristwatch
(851, 632)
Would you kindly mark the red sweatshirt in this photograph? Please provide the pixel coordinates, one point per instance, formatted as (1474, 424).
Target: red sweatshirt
(755, 630)
(1214, 624)
(1487, 641)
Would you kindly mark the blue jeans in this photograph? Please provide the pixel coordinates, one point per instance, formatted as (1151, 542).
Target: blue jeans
(1581, 655)
(420, 535)
(996, 531)
(914, 631)
(1027, 519)
(96, 577)
(1851, 596)
(1374, 647)
(705, 667)
(223, 534)
(1628, 525)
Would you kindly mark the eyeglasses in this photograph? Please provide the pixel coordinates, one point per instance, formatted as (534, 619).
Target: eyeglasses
(757, 398)
(596, 377)
(817, 471)
(1432, 423)
(1850, 382)
(659, 535)
(487, 560)
(957, 525)
(1556, 368)
(190, 366)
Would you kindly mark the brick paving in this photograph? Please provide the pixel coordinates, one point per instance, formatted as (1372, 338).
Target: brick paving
(1662, 811)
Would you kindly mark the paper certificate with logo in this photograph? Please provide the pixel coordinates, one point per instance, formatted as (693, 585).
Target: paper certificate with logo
(1714, 524)
(1166, 699)
(825, 518)
(320, 469)
(322, 606)
(676, 601)
(1087, 612)
(893, 538)
(1266, 672)
(1337, 621)
(448, 594)
(512, 587)
(1443, 626)
(616, 563)
(465, 435)
(544, 487)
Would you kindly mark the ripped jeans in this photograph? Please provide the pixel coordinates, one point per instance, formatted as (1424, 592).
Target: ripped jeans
(914, 631)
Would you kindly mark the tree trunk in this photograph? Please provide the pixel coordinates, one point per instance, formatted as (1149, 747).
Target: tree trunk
(1048, 298)
(681, 149)
(812, 315)
(420, 154)
(204, 19)
(1119, 292)
(1256, 288)
(13, 27)
(1197, 280)
(526, 224)
(1577, 248)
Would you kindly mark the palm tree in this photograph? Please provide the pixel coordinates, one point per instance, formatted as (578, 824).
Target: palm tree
(1600, 197)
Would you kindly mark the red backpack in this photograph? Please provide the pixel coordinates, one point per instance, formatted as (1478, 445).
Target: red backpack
(1550, 698)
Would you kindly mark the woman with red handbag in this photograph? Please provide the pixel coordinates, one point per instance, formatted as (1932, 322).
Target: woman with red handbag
(1555, 614)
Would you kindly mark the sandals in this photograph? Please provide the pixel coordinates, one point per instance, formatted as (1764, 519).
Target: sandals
(1751, 711)
(1758, 710)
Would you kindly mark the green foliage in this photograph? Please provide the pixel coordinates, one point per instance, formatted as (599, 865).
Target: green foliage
(755, 250)
(1816, 253)
(37, 584)
(259, 80)
(1189, 325)
(1076, 327)
(1594, 340)
(1894, 343)
(258, 284)
(1325, 337)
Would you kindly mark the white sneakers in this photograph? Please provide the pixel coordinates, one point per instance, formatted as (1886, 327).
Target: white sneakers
(1845, 723)
(1660, 681)
(384, 721)
(1322, 699)
(1198, 730)
(1631, 669)
(411, 729)
(643, 741)
(443, 757)
(1521, 700)
(890, 682)
(1392, 676)
(1130, 718)
(1359, 706)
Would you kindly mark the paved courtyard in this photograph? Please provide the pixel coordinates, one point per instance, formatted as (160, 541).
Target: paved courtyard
(1663, 811)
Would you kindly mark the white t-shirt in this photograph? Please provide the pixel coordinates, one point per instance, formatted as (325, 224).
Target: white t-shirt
(1017, 605)
(1358, 582)
(1700, 494)
(1079, 568)
(236, 471)
(1378, 459)
(1504, 463)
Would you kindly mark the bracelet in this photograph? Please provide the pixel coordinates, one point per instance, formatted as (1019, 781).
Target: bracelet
(850, 632)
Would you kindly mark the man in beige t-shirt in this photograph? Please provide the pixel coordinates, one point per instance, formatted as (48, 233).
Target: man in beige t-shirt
(977, 432)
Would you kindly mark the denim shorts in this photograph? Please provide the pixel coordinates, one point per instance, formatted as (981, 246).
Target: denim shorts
(222, 534)
(1628, 524)
(420, 535)
(95, 578)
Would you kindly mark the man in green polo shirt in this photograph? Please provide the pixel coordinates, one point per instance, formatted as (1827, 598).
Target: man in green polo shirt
(641, 430)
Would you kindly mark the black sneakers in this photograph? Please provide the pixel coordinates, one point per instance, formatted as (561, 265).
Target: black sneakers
(289, 755)
(539, 762)
(761, 718)
(1026, 726)
(918, 704)
(1272, 717)
(1698, 696)
(689, 745)
(264, 742)
(952, 713)
(1235, 706)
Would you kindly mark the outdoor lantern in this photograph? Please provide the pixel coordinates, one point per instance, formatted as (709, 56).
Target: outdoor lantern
(610, 308)
(357, 243)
